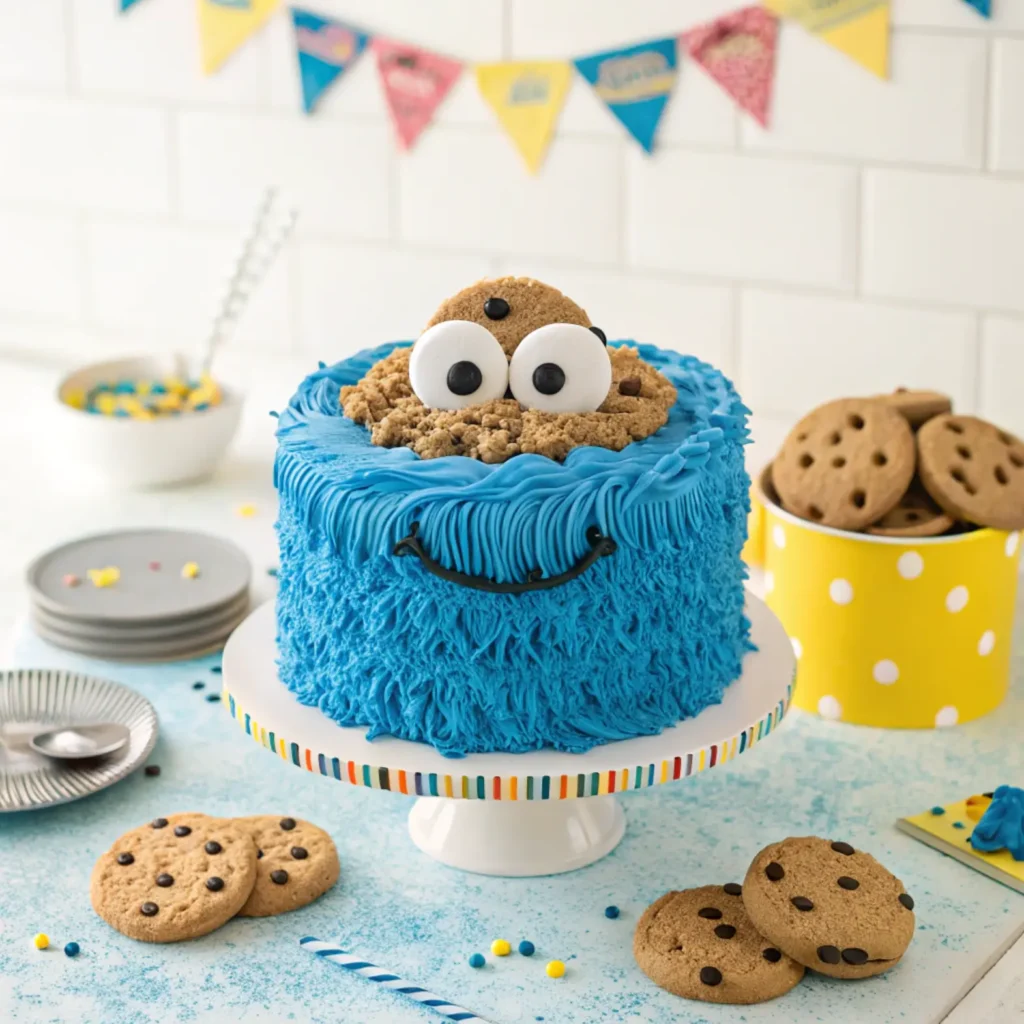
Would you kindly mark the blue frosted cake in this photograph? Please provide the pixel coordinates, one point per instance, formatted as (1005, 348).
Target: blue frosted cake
(512, 535)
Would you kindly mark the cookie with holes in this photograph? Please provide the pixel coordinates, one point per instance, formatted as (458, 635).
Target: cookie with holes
(974, 470)
(296, 864)
(830, 907)
(917, 407)
(700, 944)
(846, 463)
(176, 878)
(916, 515)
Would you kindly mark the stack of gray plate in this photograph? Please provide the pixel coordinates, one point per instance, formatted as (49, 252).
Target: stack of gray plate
(155, 610)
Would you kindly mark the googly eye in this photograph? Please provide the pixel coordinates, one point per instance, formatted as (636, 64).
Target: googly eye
(561, 368)
(457, 363)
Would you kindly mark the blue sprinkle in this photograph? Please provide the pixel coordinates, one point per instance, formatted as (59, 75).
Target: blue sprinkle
(321, 365)
(959, 824)
(213, 698)
(200, 406)
(121, 412)
(611, 912)
(272, 572)
(71, 949)
(526, 948)
(477, 960)
(274, 414)
(124, 387)
(216, 670)
(938, 810)
(198, 685)
(157, 389)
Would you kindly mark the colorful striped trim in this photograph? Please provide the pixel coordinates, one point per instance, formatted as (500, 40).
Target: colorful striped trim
(512, 787)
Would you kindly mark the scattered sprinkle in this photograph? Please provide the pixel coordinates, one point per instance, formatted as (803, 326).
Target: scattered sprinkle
(246, 511)
(272, 571)
(959, 824)
(501, 947)
(105, 577)
(72, 949)
(213, 698)
(147, 399)
(216, 670)
(274, 414)
(190, 570)
(611, 912)
(199, 685)
(526, 948)
(154, 566)
(70, 580)
(477, 960)
(41, 941)
(938, 810)
(152, 770)
(555, 969)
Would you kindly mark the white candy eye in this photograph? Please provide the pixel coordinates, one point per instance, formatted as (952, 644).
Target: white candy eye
(457, 363)
(561, 368)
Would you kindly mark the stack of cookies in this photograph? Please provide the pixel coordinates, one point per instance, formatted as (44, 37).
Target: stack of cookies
(900, 465)
(185, 875)
(805, 903)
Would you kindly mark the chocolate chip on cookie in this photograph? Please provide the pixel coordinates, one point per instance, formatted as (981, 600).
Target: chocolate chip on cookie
(154, 884)
(684, 949)
(917, 407)
(834, 909)
(298, 864)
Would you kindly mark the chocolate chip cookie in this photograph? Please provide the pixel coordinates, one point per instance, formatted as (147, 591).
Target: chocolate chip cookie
(296, 864)
(700, 944)
(176, 878)
(830, 907)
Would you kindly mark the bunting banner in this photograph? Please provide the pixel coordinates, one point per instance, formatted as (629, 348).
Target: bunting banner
(983, 7)
(859, 28)
(526, 97)
(326, 49)
(415, 83)
(635, 83)
(738, 51)
(224, 25)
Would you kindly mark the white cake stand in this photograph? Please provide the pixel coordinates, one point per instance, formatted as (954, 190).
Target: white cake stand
(508, 814)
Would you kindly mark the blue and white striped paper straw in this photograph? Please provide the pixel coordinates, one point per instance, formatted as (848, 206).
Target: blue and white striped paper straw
(357, 965)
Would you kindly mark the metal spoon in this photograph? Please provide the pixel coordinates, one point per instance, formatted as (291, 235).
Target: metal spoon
(75, 742)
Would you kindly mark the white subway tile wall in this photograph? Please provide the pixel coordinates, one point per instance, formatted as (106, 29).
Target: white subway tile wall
(873, 237)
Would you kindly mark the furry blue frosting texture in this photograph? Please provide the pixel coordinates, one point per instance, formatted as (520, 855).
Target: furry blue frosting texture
(645, 637)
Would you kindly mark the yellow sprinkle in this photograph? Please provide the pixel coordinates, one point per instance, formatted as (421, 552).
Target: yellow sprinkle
(500, 947)
(176, 385)
(555, 969)
(106, 403)
(41, 941)
(246, 511)
(143, 387)
(190, 570)
(105, 577)
(75, 398)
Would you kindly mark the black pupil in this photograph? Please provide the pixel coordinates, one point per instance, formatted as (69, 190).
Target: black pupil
(496, 309)
(464, 378)
(549, 378)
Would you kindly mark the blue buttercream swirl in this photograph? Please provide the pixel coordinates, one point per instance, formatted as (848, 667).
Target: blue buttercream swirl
(1002, 825)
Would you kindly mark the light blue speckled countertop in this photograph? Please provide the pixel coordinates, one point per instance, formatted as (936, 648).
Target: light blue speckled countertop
(422, 920)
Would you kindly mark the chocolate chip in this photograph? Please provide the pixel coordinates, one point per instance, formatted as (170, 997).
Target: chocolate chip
(300, 852)
(279, 877)
(711, 976)
(152, 769)
(630, 386)
(907, 900)
(165, 881)
(259, 855)
(182, 830)
(124, 859)
(802, 903)
(773, 956)
(844, 848)
(855, 956)
(150, 909)
(159, 823)
(287, 824)
(496, 309)
(733, 888)
(846, 882)
(600, 334)
(711, 913)
(725, 931)
(213, 847)
(828, 954)
(214, 884)
(774, 872)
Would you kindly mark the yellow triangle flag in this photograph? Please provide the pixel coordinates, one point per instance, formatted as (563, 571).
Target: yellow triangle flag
(225, 24)
(527, 96)
(860, 28)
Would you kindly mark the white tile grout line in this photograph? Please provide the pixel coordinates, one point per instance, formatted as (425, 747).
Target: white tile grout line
(988, 98)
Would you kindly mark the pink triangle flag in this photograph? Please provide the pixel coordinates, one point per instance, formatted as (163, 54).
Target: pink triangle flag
(738, 51)
(415, 82)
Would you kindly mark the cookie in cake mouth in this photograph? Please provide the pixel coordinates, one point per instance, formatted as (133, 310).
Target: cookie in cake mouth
(506, 367)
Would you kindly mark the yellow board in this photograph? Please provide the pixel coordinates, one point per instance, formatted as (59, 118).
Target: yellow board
(859, 28)
(527, 97)
(223, 29)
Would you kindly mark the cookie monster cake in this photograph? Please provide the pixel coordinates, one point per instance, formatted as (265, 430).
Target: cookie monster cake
(512, 534)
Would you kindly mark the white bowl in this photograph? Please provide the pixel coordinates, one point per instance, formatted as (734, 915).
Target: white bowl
(136, 453)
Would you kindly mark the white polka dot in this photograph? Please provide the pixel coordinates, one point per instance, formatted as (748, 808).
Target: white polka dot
(779, 536)
(841, 591)
(769, 581)
(956, 599)
(798, 648)
(886, 672)
(829, 707)
(910, 565)
(986, 643)
(1011, 543)
(946, 716)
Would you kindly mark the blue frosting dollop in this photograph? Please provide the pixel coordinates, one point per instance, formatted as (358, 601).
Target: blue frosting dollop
(1002, 825)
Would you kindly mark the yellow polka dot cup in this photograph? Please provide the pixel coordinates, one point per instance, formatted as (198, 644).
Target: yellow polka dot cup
(900, 633)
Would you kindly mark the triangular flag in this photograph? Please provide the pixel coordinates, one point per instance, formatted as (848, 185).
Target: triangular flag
(983, 7)
(636, 83)
(125, 4)
(225, 24)
(415, 82)
(527, 96)
(326, 49)
(738, 51)
(860, 28)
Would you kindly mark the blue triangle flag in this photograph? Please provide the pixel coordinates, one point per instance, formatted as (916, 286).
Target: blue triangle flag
(326, 49)
(983, 7)
(636, 83)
